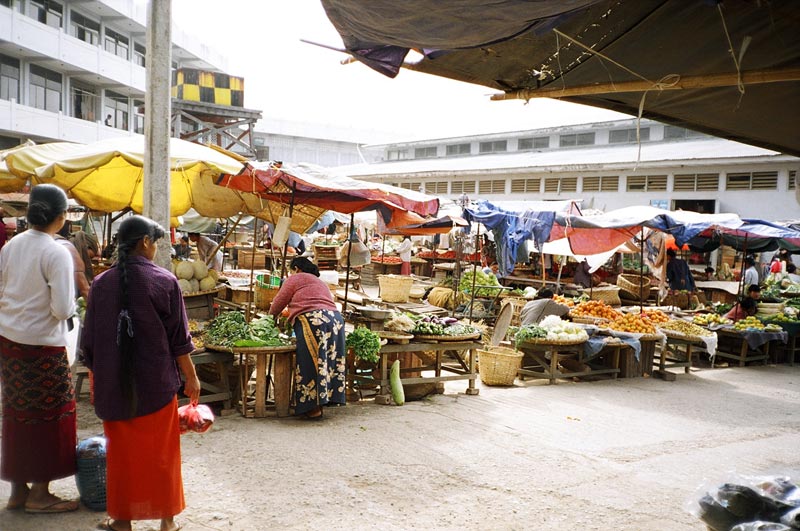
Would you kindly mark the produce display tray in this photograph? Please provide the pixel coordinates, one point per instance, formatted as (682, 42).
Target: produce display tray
(395, 337)
(443, 337)
(678, 335)
(206, 292)
(538, 341)
(253, 350)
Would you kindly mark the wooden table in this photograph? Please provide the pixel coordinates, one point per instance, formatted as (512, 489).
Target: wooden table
(217, 392)
(676, 347)
(464, 368)
(745, 352)
(263, 360)
(536, 365)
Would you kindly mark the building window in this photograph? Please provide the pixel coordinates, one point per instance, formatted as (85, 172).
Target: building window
(462, 187)
(627, 136)
(45, 89)
(9, 78)
(84, 102)
(672, 133)
(579, 139)
(526, 186)
(425, 152)
(116, 44)
(605, 183)
(647, 183)
(116, 110)
(498, 146)
(539, 142)
(46, 11)
(139, 54)
(458, 149)
(397, 154)
(757, 180)
(138, 117)
(411, 186)
(792, 180)
(556, 185)
(496, 186)
(7, 3)
(696, 182)
(84, 28)
(439, 188)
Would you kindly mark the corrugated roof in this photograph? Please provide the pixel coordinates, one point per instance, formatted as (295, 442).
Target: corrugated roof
(570, 159)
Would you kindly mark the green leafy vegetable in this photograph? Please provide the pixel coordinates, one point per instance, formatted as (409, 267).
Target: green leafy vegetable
(482, 280)
(229, 329)
(365, 343)
(528, 332)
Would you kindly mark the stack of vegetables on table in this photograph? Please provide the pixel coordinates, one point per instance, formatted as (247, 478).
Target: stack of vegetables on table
(483, 283)
(194, 276)
(563, 331)
(753, 324)
(709, 319)
(230, 329)
(364, 343)
(595, 309)
(431, 325)
(685, 328)
(631, 323)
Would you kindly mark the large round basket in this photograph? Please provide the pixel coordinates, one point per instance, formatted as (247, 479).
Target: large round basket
(766, 309)
(634, 287)
(499, 365)
(607, 294)
(91, 474)
(395, 288)
(443, 337)
(253, 350)
(562, 342)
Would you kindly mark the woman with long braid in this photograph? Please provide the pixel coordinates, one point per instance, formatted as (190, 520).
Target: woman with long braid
(36, 299)
(135, 339)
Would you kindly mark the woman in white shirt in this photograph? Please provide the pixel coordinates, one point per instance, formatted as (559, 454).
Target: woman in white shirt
(404, 250)
(36, 299)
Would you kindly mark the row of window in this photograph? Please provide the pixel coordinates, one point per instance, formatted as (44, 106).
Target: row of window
(51, 13)
(760, 180)
(616, 136)
(46, 89)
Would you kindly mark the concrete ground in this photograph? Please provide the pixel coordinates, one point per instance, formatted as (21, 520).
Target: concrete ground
(602, 455)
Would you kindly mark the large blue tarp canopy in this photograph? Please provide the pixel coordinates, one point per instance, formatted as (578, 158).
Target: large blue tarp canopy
(513, 224)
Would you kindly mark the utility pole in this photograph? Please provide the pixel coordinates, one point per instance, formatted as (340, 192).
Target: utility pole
(157, 120)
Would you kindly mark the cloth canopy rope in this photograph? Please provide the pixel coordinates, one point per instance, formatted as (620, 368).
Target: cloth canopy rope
(736, 61)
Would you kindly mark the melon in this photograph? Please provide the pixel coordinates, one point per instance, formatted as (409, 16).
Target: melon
(200, 269)
(207, 283)
(184, 270)
(195, 285)
(185, 286)
(213, 274)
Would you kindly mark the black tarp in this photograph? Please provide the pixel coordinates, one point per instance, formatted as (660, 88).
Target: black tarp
(511, 45)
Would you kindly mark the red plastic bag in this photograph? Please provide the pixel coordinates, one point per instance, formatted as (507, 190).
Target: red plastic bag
(193, 417)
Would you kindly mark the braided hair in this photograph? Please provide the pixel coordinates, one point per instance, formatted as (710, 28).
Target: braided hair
(131, 231)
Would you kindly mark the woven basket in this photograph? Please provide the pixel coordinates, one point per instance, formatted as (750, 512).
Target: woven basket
(264, 296)
(90, 477)
(634, 287)
(609, 295)
(499, 365)
(517, 303)
(395, 288)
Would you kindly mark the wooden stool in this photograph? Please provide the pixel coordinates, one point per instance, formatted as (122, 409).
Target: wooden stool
(81, 373)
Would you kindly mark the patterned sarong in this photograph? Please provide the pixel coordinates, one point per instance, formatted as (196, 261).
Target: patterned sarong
(320, 373)
(39, 422)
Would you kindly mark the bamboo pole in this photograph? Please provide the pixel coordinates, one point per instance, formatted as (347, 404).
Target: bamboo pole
(224, 239)
(755, 77)
(349, 249)
(286, 243)
(641, 270)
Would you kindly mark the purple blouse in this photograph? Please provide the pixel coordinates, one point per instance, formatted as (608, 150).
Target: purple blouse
(161, 334)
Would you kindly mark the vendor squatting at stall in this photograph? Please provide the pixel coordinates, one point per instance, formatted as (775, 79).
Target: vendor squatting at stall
(544, 305)
(319, 328)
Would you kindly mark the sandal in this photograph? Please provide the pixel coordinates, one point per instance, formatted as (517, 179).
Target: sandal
(106, 524)
(57, 506)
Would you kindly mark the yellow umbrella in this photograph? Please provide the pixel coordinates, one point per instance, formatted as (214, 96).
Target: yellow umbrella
(108, 176)
(8, 181)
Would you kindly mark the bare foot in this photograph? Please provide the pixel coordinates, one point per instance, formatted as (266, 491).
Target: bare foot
(168, 524)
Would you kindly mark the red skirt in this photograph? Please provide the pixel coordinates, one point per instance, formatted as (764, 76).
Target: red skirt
(39, 422)
(143, 466)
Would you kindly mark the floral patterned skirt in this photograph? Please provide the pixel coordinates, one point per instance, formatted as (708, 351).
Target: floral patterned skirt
(320, 373)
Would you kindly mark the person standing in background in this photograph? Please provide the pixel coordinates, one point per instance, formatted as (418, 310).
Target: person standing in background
(679, 276)
(36, 298)
(750, 273)
(404, 250)
(136, 340)
(2, 229)
(78, 266)
(206, 246)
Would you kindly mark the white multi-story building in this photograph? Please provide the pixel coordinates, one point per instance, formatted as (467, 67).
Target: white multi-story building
(601, 164)
(74, 70)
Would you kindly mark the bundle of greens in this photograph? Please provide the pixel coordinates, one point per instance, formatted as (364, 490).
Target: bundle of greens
(365, 344)
(229, 329)
(528, 332)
